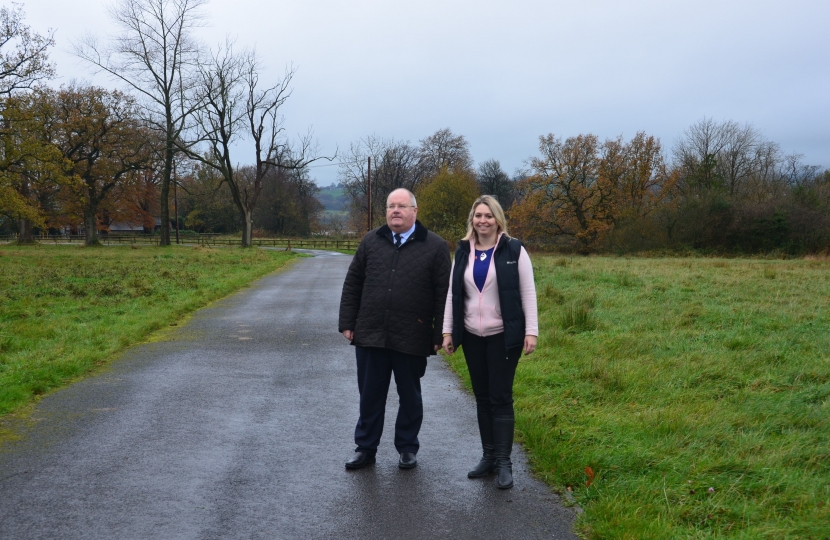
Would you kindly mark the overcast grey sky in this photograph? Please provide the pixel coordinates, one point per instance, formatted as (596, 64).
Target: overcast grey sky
(504, 73)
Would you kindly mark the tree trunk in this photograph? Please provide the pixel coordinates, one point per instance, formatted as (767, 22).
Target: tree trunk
(169, 155)
(90, 228)
(25, 234)
(248, 230)
(164, 240)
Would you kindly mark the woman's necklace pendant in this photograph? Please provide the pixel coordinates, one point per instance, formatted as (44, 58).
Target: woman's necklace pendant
(483, 256)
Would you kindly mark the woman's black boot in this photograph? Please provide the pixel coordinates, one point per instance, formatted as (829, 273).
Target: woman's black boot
(485, 429)
(503, 445)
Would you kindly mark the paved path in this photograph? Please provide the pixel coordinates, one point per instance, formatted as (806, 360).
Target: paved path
(238, 425)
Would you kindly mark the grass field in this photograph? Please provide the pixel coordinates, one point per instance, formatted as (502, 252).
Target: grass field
(64, 310)
(682, 398)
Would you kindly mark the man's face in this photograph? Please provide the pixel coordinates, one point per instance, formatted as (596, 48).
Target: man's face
(400, 214)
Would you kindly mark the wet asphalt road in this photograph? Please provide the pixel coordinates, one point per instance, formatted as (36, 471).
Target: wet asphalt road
(237, 425)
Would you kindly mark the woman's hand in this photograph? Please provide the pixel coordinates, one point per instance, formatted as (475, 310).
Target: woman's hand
(448, 345)
(530, 344)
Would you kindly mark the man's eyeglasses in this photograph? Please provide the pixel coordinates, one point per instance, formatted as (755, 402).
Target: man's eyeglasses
(399, 206)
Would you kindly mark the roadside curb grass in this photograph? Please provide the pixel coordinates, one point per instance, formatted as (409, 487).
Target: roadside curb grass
(40, 333)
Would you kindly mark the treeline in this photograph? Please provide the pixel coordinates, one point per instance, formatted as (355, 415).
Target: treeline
(723, 187)
(85, 158)
(287, 206)
(439, 170)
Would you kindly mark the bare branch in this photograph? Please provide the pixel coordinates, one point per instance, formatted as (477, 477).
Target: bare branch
(155, 55)
(23, 54)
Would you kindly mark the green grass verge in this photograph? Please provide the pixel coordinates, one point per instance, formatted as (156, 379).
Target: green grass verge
(682, 398)
(65, 309)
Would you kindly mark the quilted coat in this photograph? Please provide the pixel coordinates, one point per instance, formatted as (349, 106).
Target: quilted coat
(394, 298)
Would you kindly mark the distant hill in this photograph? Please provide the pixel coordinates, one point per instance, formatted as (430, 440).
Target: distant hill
(333, 197)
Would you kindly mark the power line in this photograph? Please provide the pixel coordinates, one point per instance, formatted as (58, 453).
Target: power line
(326, 165)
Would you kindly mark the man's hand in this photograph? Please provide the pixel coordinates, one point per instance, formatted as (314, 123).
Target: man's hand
(348, 334)
(448, 345)
(530, 344)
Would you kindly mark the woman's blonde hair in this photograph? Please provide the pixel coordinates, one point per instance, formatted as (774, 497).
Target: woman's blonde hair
(493, 204)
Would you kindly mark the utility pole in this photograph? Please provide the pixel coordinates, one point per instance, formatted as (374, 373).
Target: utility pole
(176, 199)
(369, 194)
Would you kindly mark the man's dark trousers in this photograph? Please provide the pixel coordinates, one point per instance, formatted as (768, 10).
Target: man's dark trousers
(375, 367)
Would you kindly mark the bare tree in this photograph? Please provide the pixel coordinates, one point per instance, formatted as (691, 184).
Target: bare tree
(696, 154)
(398, 164)
(796, 173)
(737, 157)
(156, 55)
(394, 164)
(288, 204)
(352, 166)
(723, 156)
(444, 149)
(235, 108)
(273, 150)
(492, 180)
(23, 54)
(767, 183)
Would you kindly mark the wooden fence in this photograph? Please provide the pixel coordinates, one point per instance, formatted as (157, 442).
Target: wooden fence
(202, 240)
(287, 243)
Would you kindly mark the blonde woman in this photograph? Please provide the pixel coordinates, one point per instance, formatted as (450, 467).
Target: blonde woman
(491, 313)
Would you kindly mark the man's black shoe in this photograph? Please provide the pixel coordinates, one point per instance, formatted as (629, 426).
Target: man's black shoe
(407, 460)
(360, 460)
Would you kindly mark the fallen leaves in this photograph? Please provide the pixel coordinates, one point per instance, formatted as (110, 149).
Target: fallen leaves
(589, 472)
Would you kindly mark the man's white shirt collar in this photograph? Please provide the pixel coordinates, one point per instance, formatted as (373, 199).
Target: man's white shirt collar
(405, 235)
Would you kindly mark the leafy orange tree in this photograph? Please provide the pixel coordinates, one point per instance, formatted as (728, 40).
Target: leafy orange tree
(133, 200)
(26, 163)
(643, 185)
(31, 167)
(138, 197)
(645, 181)
(567, 195)
(17, 152)
(582, 190)
(98, 133)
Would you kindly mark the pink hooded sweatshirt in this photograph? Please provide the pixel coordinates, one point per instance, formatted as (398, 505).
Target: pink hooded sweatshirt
(482, 315)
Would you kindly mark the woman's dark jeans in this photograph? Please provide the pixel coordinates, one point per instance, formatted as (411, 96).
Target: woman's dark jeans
(492, 370)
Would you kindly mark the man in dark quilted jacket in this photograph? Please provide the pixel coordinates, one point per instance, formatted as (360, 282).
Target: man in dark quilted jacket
(392, 310)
